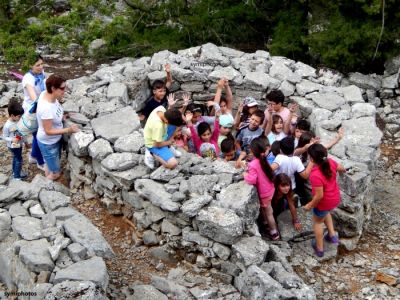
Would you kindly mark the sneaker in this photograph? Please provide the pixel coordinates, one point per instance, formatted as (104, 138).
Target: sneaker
(332, 239)
(317, 252)
(275, 236)
(149, 159)
(41, 167)
(175, 152)
(32, 160)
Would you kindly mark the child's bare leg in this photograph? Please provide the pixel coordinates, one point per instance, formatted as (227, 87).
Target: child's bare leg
(170, 164)
(319, 232)
(329, 224)
(269, 217)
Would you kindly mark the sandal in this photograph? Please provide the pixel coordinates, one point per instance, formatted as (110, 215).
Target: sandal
(319, 253)
(332, 239)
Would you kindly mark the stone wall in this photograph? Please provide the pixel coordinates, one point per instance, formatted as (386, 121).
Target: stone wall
(47, 248)
(203, 207)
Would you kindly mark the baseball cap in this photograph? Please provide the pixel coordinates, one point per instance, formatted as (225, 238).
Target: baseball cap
(250, 102)
(226, 121)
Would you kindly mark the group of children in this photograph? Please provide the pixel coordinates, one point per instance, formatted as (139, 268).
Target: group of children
(280, 154)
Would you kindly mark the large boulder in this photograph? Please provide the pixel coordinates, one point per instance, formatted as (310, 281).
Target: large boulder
(122, 122)
(220, 224)
(35, 255)
(5, 224)
(241, 198)
(249, 251)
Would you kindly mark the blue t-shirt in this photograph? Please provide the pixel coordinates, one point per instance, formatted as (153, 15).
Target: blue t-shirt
(246, 135)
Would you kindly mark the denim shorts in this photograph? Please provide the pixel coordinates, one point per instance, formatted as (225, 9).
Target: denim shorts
(164, 152)
(320, 213)
(51, 154)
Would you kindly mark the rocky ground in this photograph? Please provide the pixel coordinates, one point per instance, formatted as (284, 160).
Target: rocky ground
(352, 275)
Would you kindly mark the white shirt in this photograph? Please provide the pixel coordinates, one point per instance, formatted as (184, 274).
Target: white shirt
(289, 165)
(29, 79)
(10, 132)
(272, 137)
(49, 111)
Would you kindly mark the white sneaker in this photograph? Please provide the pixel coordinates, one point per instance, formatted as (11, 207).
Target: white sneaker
(32, 160)
(175, 152)
(148, 159)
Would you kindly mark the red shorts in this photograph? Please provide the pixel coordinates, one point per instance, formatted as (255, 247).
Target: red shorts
(266, 201)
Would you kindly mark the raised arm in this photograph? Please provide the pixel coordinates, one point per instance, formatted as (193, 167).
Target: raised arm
(237, 116)
(193, 132)
(268, 125)
(168, 83)
(286, 126)
(229, 96)
(336, 140)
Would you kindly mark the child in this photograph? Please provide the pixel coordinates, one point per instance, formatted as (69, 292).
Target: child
(155, 131)
(260, 174)
(275, 101)
(224, 103)
(301, 127)
(247, 134)
(205, 140)
(225, 128)
(275, 150)
(284, 198)
(288, 164)
(13, 139)
(159, 97)
(181, 139)
(326, 195)
(228, 150)
(197, 112)
(276, 130)
(245, 110)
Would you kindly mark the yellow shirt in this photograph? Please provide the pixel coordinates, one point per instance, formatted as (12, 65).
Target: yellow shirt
(155, 129)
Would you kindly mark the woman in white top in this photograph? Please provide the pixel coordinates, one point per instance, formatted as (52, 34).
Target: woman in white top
(33, 84)
(50, 116)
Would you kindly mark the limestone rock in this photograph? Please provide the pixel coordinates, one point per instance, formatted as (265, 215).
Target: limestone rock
(195, 204)
(363, 110)
(82, 231)
(163, 174)
(5, 224)
(93, 269)
(96, 45)
(69, 289)
(35, 255)
(129, 143)
(249, 251)
(210, 54)
(17, 209)
(362, 131)
(166, 286)
(111, 126)
(364, 81)
(118, 90)
(156, 194)
(27, 227)
(286, 228)
(220, 224)
(9, 195)
(329, 101)
(229, 73)
(241, 198)
(80, 142)
(121, 161)
(77, 252)
(100, 149)
(141, 292)
(201, 184)
(52, 200)
(305, 87)
(352, 94)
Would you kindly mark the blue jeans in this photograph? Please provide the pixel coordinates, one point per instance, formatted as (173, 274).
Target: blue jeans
(17, 161)
(51, 154)
(36, 150)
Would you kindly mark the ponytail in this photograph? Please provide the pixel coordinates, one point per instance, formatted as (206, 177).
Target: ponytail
(319, 154)
(258, 146)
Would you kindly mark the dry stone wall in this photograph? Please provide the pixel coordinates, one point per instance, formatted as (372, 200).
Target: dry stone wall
(204, 207)
(202, 211)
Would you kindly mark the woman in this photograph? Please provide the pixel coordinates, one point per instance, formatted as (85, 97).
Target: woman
(33, 84)
(50, 116)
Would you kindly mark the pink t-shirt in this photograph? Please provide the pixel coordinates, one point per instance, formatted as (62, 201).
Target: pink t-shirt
(284, 113)
(331, 197)
(256, 176)
(203, 149)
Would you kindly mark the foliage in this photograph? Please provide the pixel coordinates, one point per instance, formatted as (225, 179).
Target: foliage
(341, 34)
